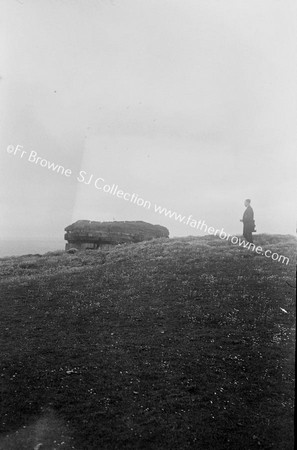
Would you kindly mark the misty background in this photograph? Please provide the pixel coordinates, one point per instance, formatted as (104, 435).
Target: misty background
(191, 105)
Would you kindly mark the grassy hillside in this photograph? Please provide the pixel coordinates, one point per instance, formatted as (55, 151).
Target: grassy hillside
(168, 344)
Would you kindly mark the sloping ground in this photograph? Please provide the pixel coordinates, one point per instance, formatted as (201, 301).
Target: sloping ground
(168, 344)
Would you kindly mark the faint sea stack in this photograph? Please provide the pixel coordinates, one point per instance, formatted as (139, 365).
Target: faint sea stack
(86, 234)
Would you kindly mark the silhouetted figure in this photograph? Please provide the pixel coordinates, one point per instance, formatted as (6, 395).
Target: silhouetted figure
(248, 221)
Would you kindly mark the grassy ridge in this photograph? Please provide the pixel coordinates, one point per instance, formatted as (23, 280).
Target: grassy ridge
(168, 344)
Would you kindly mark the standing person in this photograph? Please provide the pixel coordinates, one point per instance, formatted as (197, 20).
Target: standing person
(248, 221)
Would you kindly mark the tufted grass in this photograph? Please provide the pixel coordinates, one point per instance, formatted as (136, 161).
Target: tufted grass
(169, 344)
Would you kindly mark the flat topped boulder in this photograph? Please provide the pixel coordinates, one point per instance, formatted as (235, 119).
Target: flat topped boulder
(92, 234)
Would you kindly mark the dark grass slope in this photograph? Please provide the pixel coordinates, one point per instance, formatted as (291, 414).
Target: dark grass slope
(169, 344)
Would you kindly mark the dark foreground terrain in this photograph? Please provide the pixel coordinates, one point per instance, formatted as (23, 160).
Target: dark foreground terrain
(170, 344)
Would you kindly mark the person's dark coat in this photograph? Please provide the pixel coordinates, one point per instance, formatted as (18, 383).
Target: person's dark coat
(248, 223)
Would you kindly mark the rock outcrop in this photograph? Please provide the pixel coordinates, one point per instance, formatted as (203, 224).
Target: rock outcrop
(85, 234)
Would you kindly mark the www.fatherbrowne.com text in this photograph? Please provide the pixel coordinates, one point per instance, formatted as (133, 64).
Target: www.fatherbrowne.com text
(114, 190)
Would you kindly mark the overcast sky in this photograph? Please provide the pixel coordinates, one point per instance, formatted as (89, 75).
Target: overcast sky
(191, 104)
